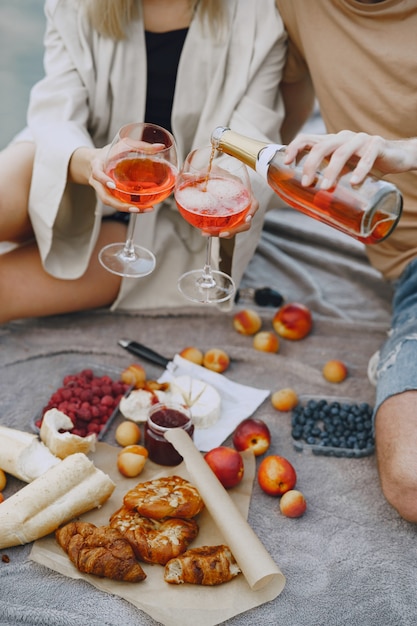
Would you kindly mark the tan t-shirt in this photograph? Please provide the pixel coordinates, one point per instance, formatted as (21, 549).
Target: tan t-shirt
(363, 62)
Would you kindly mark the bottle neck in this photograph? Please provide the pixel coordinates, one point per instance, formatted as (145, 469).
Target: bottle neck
(255, 154)
(236, 145)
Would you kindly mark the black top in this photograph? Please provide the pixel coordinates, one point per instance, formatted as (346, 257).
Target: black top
(163, 54)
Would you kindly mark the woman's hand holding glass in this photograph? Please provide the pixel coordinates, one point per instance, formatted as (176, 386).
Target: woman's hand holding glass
(138, 171)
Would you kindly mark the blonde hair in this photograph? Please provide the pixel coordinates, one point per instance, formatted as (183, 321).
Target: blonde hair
(111, 17)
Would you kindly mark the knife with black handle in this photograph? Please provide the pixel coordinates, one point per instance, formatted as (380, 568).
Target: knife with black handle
(138, 349)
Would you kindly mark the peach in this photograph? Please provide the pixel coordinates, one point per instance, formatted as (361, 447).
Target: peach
(252, 434)
(127, 433)
(227, 465)
(335, 371)
(1, 498)
(247, 322)
(135, 375)
(130, 464)
(293, 321)
(276, 475)
(284, 399)
(266, 341)
(3, 480)
(293, 503)
(135, 449)
(216, 360)
(193, 354)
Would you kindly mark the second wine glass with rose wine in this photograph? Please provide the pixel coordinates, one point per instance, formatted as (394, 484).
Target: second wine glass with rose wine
(213, 193)
(142, 162)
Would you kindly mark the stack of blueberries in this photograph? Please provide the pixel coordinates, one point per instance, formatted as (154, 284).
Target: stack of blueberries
(334, 427)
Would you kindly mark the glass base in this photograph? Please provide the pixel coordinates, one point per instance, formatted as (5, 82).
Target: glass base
(115, 260)
(206, 289)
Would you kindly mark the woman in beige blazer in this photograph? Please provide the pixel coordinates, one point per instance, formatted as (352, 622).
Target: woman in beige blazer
(51, 203)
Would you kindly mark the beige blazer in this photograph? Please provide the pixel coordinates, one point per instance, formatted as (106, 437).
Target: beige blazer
(94, 85)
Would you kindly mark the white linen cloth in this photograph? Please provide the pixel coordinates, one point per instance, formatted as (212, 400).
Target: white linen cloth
(238, 401)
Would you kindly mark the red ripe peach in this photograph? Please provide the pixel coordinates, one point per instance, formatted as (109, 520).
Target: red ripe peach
(134, 375)
(284, 399)
(276, 475)
(216, 360)
(266, 341)
(252, 434)
(247, 322)
(127, 433)
(293, 321)
(192, 354)
(293, 503)
(227, 465)
(335, 371)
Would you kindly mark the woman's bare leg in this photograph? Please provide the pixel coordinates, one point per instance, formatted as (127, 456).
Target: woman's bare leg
(26, 290)
(16, 165)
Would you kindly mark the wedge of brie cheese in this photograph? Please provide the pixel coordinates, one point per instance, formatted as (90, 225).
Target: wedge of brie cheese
(202, 399)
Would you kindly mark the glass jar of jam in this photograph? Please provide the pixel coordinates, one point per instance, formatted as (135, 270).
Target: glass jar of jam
(161, 418)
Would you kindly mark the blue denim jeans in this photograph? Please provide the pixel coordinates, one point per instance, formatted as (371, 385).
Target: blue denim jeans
(397, 366)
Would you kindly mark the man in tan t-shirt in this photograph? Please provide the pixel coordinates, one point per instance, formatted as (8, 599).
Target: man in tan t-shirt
(359, 59)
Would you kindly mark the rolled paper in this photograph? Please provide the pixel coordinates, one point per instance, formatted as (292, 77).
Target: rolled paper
(254, 560)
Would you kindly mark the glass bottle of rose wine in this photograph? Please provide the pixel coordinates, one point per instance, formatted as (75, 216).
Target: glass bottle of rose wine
(368, 212)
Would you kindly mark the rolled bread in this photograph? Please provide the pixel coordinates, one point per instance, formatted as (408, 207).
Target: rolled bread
(63, 492)
(62, 444)
(22, 454)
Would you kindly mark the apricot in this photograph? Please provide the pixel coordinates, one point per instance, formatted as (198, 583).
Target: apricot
(216, 360)
(1, 498)
(335, 371)
(247, 322)
(130, 464)
(293, 503)
(135, 449)
(135, 375)
(3, 480)
(284, 399)
(192, 354)
(266, 341)
(293, 321)
(127, 433)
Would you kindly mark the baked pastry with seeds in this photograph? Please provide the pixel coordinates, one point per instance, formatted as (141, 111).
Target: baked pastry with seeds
(208, 565)
(154, 541)
(170, 496)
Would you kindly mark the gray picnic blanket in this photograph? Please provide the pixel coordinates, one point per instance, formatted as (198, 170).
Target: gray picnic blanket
(350, 559)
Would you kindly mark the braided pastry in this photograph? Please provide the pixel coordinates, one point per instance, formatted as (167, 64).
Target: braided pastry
(154, 541)
(170, 496)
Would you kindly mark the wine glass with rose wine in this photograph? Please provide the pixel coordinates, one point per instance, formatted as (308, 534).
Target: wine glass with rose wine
(213, 193)
(142, 163)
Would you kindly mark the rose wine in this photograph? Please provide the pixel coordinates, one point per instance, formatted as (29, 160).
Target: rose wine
(213, 204)
(335, 207)
(142, 182)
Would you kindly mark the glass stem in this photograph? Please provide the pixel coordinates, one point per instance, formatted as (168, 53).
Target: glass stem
(129, 247)
(207, 280)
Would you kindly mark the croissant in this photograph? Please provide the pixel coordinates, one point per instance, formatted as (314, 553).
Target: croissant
(100, 550)
(208, 565)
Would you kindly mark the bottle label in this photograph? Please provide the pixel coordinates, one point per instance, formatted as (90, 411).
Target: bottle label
(265, 157)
